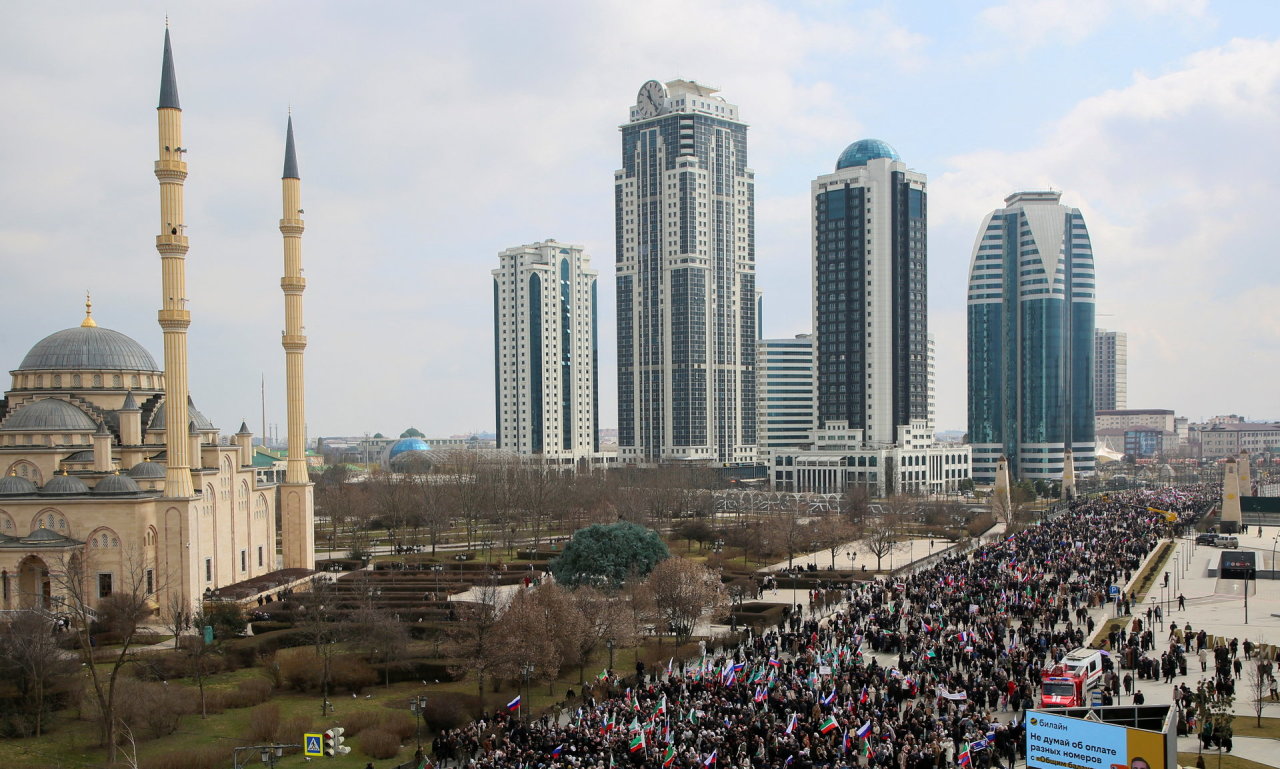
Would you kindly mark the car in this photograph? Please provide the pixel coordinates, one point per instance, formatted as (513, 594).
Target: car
(1226, 541)
(1206, 539)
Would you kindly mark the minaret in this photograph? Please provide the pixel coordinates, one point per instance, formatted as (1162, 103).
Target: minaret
(174, 318)
(297, 505)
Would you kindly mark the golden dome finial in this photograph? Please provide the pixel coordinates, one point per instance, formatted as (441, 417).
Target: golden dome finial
(88, 321)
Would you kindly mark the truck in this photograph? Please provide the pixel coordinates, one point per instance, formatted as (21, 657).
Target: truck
(1067, 684)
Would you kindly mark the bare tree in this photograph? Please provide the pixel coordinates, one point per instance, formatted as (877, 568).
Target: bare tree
(31, 660)
(886, 534)
(475, 637)
(121, 613)
(833, 533)
(200, 655)
(683, 591)
(324, 628)
(1257, 676)
(603, 619)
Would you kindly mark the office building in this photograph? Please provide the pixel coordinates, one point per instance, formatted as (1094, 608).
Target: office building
(784, 382)
(870, 306)
(687, 298)
(544, 357)
(1110, 370)
(1031, 339)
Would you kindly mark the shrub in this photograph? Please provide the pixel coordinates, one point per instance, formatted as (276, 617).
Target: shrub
(451, 711)
(352, 673)
(378, 743)
(399, 723)
(248, 693)
(289, 731)
(264, 722)
(207, 757)
(154, 710)
(360, 720)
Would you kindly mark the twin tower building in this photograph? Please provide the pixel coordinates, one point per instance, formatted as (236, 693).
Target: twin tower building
(851, 403)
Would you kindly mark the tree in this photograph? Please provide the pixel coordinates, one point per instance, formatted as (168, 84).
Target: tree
(475, 638)
(323, 627)
(682, 592)
(694, 530)
(606, 555)
(199, 655)
(833, 533)
(121, 613)
(602, 619)
(886, 534)
(31, 660)
(1256, 675)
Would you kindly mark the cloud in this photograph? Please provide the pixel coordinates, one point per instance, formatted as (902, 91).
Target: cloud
(1175, 175)
(1032, 23)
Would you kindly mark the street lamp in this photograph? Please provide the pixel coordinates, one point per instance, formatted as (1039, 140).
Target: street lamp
(526, 670)
(418, 706)
(268, 753)
(609, 643)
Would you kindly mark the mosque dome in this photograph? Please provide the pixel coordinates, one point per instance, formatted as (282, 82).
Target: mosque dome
(15, 486)
(147, 471)
(113, 485)
(863, 150)
(50, 414)
(64, 486)
(407, 444)
(88, 348)
(201, 421)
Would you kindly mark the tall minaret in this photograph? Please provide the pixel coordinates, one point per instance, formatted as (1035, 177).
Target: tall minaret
(174, 318)
(297, 505)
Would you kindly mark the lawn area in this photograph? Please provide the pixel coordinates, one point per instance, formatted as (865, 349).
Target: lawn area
(1247, 726)
(1228, 761)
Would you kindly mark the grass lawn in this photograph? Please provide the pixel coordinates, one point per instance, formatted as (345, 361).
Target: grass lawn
(1228, 761)
(1247, 726)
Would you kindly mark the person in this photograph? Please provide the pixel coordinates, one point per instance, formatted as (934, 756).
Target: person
(1138, 698)
(1182, 602)
(1138, 762)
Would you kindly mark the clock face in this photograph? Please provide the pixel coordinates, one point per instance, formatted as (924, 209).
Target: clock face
(652, 99)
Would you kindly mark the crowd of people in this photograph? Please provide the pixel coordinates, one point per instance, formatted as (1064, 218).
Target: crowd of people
(922, 671)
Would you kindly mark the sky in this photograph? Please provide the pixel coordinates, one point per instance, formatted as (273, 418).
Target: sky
(431, 136)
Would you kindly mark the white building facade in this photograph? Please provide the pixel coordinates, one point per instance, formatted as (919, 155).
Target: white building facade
(545, 357)
(1110, 370)
(687, 302)
(785, 418)
(842, 459)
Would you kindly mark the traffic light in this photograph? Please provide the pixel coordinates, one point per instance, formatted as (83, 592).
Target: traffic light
(333, 740)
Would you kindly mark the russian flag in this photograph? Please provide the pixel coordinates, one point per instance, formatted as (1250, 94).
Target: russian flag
(863, 731)
(863, 697)
(556, 753)
(514, 704)
(791, 725)
(830, 698)
(925, 627)
(774, 662)
(711, 759)
(963, 758)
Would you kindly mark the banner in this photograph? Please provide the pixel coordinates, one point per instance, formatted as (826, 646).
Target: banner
(1060, 742)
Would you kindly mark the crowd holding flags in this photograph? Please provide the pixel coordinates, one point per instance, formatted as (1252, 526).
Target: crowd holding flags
(813, 695)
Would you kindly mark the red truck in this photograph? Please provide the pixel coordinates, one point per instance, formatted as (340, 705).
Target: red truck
(1067, 684)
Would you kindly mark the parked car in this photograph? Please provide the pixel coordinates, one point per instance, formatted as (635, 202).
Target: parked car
(1226, 541)
(1206, 539)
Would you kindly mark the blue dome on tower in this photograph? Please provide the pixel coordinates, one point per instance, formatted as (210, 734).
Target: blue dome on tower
(407, 444)
(858, 153)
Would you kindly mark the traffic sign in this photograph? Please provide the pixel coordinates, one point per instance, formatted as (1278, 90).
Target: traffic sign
(1115, 590)
(311, 745)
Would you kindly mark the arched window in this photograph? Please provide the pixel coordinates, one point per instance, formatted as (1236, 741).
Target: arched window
(133, 381)
(39, 380)
(75, 380)
(97, 380)
(116, 381)
(57, 380)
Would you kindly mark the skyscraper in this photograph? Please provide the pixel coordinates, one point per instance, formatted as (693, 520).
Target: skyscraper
(1110, 370)
(870, 301)
(684, 208)
(1031, 314)
(784, 382)
(544, 328)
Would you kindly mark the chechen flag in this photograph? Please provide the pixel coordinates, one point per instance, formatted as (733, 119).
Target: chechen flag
(514, 704)
(827, 725)
(963, 759)
(669, 757)
(637, 742)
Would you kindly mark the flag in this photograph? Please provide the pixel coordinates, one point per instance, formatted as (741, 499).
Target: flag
(828, 724)
(556, 753)
(790, 758)
(423, 764)
(931, 654)
(846, 742)
(863, 697)
(670, 662)
(963, 758)
(669, 757)
(774, 662)
(760, 694)
(637, 742)
(514, 704)
(830, 698)
(603, 675)
(978, 744)
(925, 627)
(662, 706)
(791, 725)
(863, 730)
(711, 759)
(866, 748)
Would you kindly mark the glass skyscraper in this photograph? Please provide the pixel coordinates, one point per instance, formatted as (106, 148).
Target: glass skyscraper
(684, 206)
(870, 295)
(1031, 339)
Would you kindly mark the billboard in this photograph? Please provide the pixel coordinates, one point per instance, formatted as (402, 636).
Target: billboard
(1061, 742)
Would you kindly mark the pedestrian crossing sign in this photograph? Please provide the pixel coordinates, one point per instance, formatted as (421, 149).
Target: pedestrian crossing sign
(311, 745)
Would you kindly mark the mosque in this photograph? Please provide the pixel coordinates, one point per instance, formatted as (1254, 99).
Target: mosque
(113, 480)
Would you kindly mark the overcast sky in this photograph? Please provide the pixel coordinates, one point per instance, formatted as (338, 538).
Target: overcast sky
(433, 135)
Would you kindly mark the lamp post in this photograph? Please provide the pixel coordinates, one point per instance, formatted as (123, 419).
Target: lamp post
(526, 670)
(609, 643)
(418, 706)
(268, 753)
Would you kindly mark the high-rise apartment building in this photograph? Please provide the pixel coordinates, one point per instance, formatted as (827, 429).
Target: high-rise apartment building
(544, 356)
(684, 208)
(784, 384)
(870, 300)
(1031, 339)
(1110, 370)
